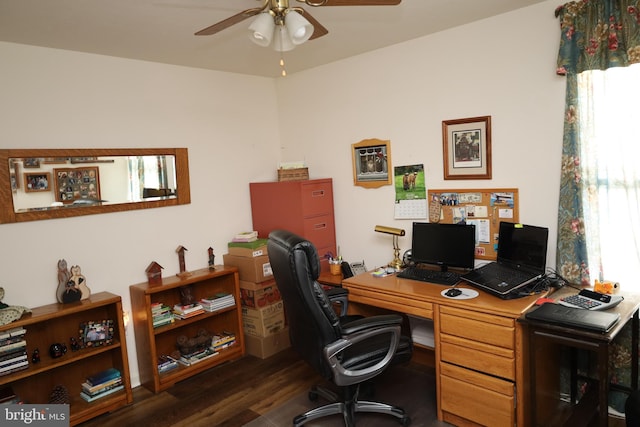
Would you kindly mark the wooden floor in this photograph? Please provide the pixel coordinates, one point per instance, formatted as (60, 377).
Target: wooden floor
(225, 396)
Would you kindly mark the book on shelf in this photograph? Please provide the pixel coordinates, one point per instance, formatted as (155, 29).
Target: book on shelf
(223, 341)
(11, 340)
(95, 390)
(9, 348)
(186, 309)
(218, 301)
(103, 376)
(7, 395)
(166, 363)
(14, 332)
(197, 357)
(11, 355)
(14, 367)
(165, 321)
(90, 398)
(10, 358)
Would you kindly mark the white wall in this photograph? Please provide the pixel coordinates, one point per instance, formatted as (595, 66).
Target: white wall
(60, 99)
(503, 67)
(238, 127)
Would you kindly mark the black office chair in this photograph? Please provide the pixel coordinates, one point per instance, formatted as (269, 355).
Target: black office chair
(346, 350)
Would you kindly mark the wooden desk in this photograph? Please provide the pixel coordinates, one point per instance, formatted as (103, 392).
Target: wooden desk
(479, 356)
(546, 342)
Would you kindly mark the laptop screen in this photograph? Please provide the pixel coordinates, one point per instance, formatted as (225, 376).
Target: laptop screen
(522, 245)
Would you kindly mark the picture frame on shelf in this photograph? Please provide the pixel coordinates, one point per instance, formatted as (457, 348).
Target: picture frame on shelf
(14, 174)
(371, 163)
(37, 182)
(96, 333)
(466, 147)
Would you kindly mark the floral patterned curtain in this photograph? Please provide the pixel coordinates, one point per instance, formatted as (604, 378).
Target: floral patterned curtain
(595, 35)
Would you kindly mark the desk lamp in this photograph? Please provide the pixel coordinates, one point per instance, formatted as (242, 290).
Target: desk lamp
(395, 232)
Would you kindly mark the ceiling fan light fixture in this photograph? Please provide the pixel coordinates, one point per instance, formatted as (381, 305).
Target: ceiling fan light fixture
(299, 29)
(261, 30)
(282, 42)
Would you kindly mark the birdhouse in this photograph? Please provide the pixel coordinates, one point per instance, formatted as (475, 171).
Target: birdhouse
(183, 268)
(154, 273)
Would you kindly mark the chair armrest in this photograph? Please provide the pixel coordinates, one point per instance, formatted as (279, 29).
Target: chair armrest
(341, 296)
(361, 330)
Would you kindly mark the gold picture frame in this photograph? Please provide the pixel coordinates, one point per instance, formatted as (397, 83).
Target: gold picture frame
(466, 145)
(371, 163)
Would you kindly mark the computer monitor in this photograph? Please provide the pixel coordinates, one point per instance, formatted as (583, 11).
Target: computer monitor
(445, 245)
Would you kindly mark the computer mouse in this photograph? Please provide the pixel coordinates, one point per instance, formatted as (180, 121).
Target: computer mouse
(453, 292)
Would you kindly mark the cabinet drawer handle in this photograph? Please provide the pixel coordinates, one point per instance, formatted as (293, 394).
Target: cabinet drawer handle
(317, 193)
(320, 226)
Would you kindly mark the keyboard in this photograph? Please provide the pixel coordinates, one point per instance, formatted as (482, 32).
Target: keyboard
(447, 278)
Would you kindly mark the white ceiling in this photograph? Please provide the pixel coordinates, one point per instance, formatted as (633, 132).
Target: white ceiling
(163, 30)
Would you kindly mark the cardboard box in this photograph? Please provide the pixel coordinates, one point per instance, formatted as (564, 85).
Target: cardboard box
(248, 249)
(265, 321)
(256, 269)
(264, 347)
(258, 295)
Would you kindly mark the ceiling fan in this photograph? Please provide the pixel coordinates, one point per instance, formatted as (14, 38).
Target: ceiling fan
(273, 15)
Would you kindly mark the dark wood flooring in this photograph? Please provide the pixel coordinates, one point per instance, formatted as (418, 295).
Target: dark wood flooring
(229, 395)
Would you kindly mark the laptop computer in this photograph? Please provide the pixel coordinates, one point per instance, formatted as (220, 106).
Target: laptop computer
(598, 321)
(521, 259)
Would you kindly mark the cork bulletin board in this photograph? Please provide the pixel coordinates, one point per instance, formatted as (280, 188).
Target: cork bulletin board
(485, 208)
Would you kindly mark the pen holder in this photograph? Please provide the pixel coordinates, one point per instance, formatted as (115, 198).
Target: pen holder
(335, 267)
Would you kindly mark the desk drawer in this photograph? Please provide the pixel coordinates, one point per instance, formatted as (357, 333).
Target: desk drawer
(317, 198)
(480, 327)
(479, 357)
(479, 398)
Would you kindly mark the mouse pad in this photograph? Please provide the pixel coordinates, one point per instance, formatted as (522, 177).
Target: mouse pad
(466, 293)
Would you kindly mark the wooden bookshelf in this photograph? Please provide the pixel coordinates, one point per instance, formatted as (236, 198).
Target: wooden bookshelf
(151, 343)
(58, 323)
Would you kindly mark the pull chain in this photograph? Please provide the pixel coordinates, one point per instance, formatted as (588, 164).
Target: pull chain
(284, 71)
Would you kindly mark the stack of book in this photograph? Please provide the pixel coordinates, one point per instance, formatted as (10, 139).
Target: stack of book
(196, 356)
(161, 314)
(13, 351)
(101, 384)
(218, 301)
(223, 341)
(186, 311)
(245, 236)
(166, 363)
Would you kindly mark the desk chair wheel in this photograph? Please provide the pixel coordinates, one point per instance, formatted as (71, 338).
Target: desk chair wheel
(405, 421)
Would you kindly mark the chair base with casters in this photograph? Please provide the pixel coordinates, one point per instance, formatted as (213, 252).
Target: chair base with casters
(348, 407)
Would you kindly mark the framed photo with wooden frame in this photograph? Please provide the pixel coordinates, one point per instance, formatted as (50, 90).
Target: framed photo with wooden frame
(371, 163)
(37, 182)
(466, 147)
(96, 333)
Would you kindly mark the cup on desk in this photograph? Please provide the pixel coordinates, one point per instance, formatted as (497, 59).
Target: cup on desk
(335, 267)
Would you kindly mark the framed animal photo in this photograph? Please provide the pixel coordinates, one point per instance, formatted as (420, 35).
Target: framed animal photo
(371, 163)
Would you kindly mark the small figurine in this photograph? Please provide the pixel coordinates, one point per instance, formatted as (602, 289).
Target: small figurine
(154, 273)
(212, 259)
(186, 295)
(183, 269)
(79, 282)
(63, 278)
(35, 357)
(73, 343)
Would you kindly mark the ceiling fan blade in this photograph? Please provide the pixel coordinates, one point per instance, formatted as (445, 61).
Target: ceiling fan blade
(318, 29)
(359, 2)
(232, 20)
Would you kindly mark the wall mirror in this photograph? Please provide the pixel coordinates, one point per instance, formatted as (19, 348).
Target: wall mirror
(38, 184)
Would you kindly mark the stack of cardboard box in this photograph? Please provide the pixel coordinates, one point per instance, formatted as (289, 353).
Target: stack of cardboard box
(262, 308)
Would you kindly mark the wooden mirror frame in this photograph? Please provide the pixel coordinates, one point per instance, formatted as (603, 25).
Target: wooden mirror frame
(7, 211)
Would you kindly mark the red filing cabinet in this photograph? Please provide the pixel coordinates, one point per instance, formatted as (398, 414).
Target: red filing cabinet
(302, 207)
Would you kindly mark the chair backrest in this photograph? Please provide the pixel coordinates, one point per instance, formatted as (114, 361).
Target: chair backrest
(312, 321)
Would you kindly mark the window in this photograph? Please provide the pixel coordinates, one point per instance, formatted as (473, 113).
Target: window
(610, 164)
